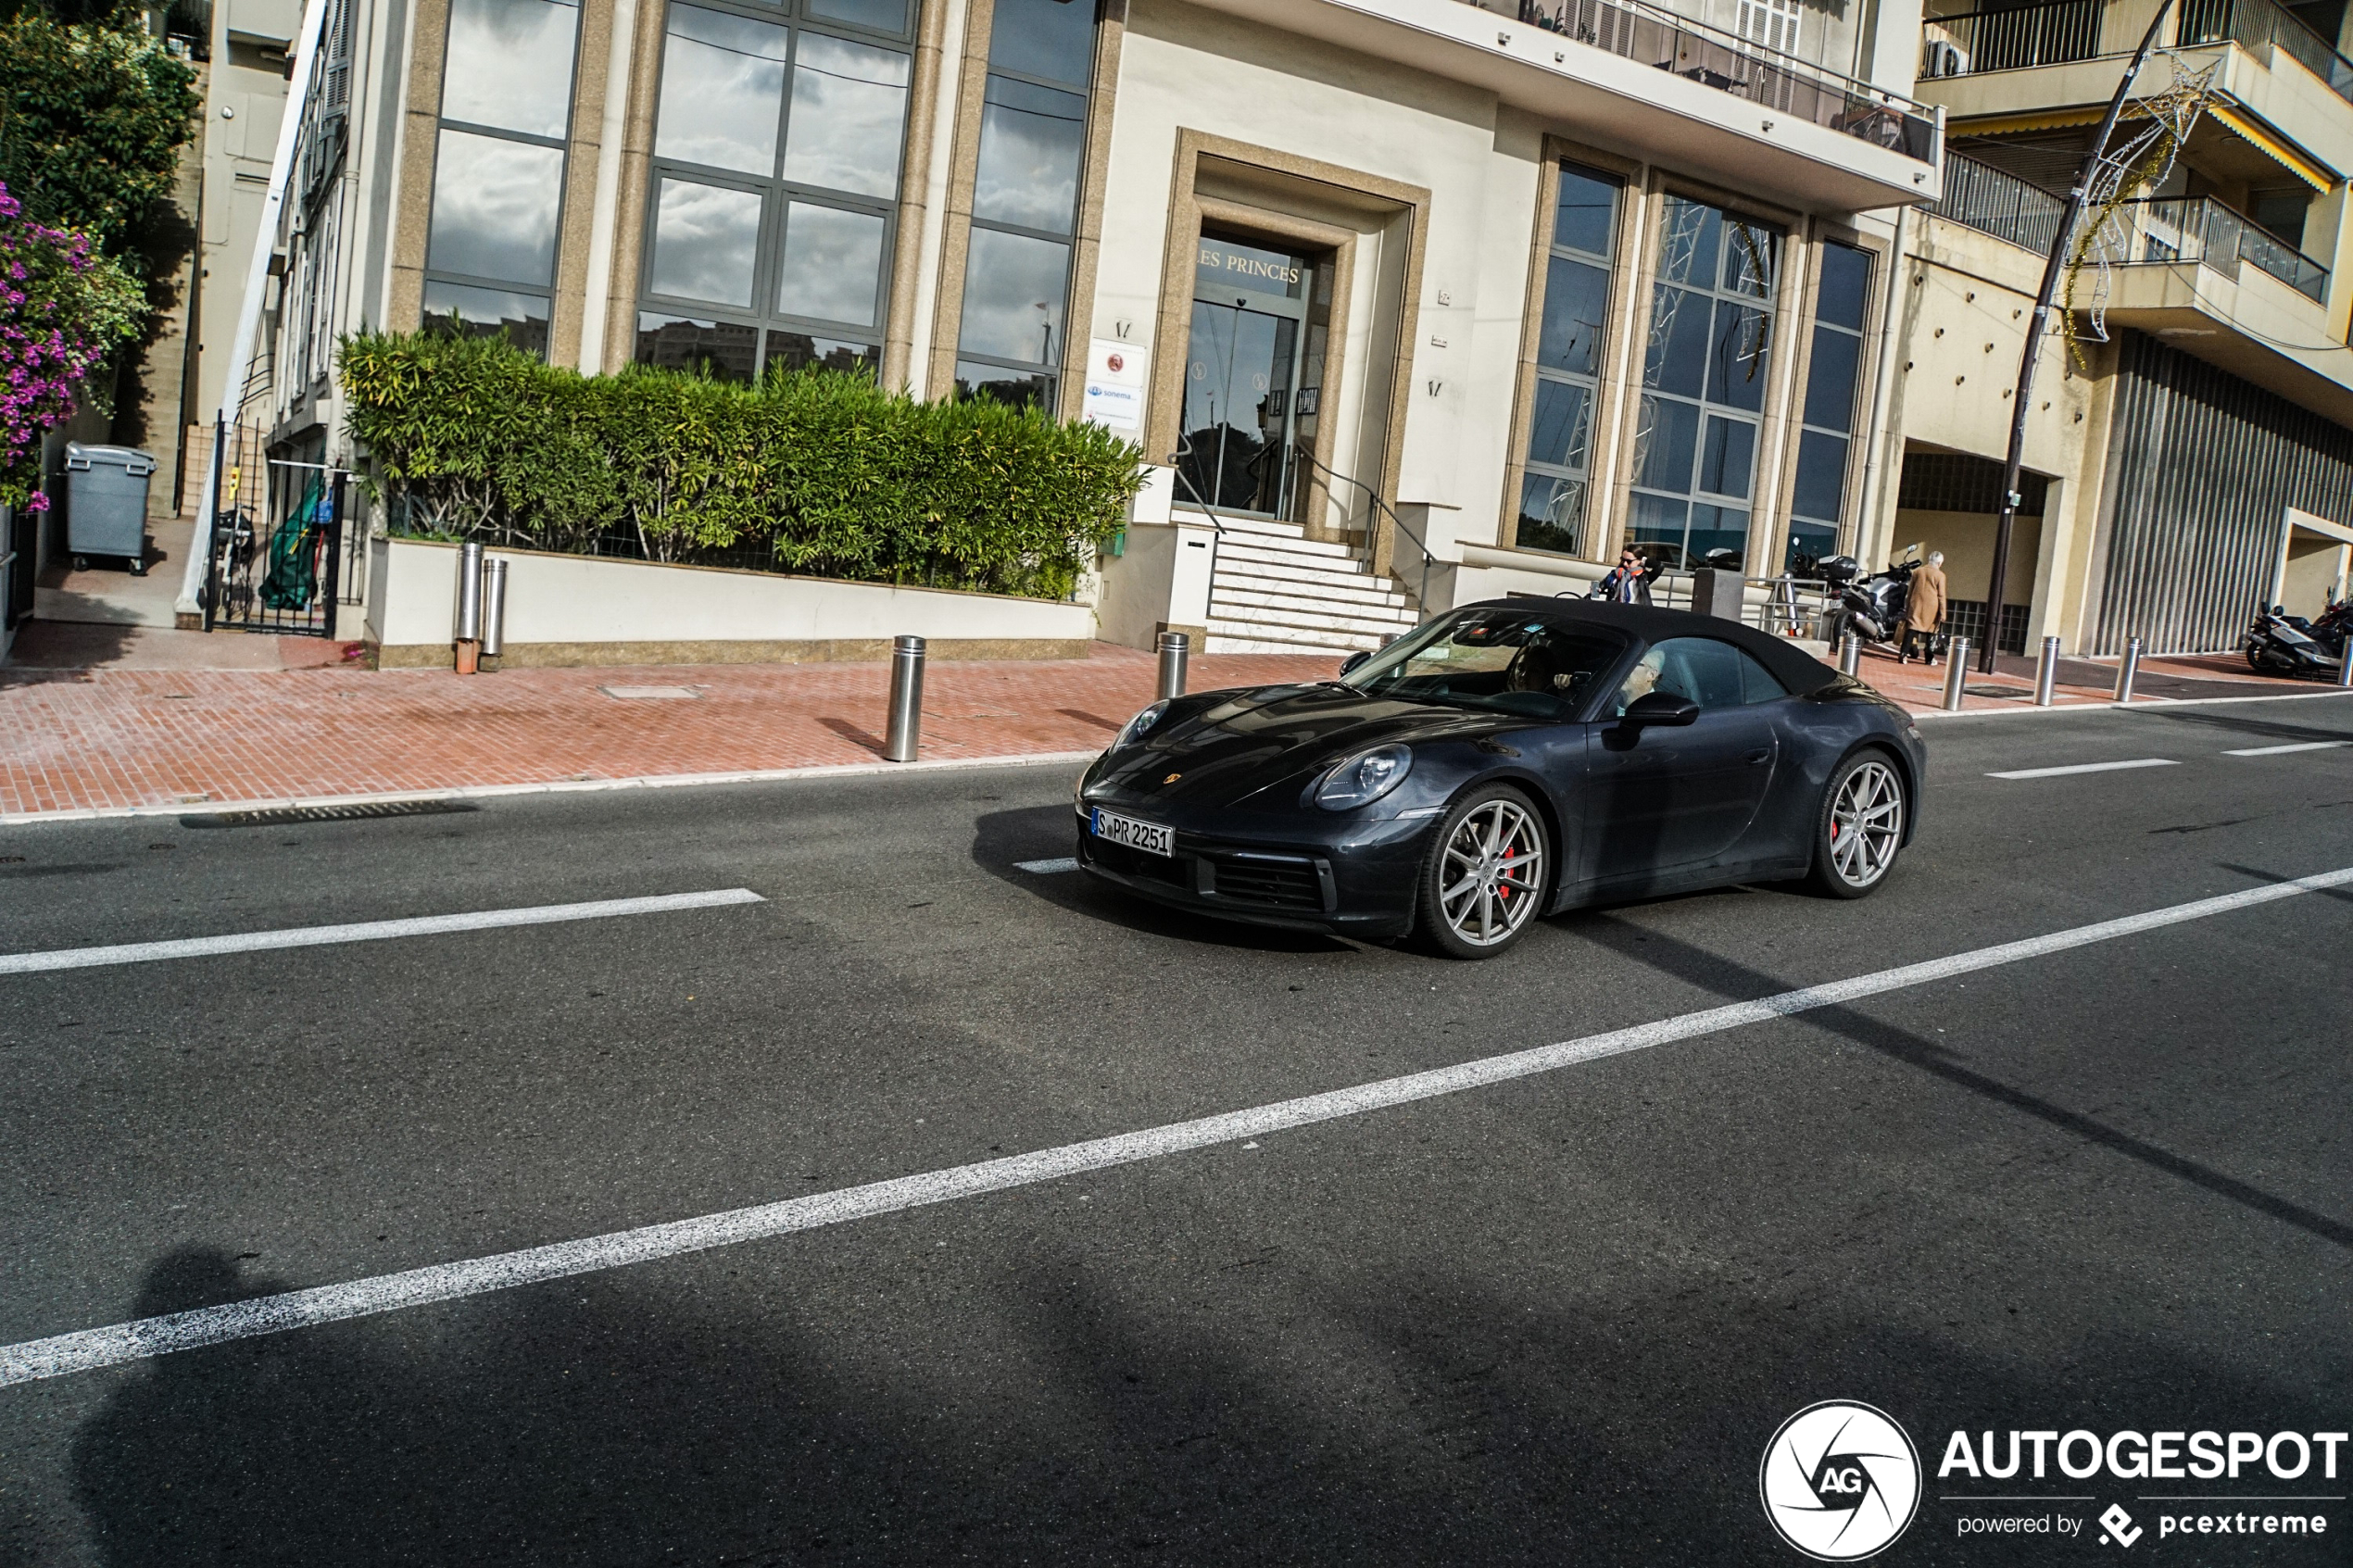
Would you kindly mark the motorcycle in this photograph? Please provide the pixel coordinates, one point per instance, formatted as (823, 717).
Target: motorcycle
(1873, 607)
(2281, 644)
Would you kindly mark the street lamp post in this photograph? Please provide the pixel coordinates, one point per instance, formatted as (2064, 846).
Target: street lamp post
(2035, 334)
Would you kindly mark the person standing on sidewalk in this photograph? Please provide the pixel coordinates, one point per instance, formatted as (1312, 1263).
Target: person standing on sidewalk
(1630, 585)
(1924, 610)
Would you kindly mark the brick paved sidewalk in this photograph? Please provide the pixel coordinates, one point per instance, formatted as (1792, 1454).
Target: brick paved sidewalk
(104, 738)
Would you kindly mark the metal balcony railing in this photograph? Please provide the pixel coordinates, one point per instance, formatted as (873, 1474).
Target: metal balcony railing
(1634, 30)
(2169, 229)
(2057, 32)
(1999, 203)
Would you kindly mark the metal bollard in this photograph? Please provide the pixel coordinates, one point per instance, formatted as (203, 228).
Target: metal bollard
(2128, 669)
(494, 609)
(1955, 673)
(1850, 656)
(469, 627)
(1174, 648)
(906, 700)
(2345, 665)
(2047, 672)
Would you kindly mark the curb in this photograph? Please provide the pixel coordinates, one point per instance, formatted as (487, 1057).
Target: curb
(2138, 705)
(560, 786)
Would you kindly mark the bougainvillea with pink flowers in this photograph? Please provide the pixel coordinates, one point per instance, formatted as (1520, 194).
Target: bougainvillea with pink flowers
(63, 310)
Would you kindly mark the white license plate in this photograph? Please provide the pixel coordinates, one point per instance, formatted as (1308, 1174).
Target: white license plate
(1150, 837)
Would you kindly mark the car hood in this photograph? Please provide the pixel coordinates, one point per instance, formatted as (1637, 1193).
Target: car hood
(1258, 748)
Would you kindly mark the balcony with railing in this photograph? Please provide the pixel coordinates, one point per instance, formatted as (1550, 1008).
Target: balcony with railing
(2172, 228)
(2062, 31)
(1741, 67)
(1999, 203)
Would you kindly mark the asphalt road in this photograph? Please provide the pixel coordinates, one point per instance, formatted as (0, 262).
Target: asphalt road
(1552, 1320)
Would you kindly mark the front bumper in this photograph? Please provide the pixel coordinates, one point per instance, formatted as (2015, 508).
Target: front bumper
(1356, 881)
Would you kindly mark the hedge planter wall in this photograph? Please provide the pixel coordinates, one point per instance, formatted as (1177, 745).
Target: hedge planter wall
(815, 472)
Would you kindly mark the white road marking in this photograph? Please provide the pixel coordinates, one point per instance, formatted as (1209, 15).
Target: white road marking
(2085, 768)
(1047, 867)
(88, 1349)
(368, 930)
(2300, 745)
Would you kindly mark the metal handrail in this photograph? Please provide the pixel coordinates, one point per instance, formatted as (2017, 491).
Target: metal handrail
(1995, 202)
(1636, 30)
(1421, 592)
(2061, 31)
(2201, 229)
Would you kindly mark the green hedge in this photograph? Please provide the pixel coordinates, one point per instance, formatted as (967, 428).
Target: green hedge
(816, 472)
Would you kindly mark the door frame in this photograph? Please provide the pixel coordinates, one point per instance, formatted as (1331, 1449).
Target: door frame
(1299, 313)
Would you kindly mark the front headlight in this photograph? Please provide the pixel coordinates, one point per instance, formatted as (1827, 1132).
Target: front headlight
(1360, 780)
(1140, 724)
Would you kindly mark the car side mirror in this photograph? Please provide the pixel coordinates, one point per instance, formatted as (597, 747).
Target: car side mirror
(1352, 660)
(1661, 707)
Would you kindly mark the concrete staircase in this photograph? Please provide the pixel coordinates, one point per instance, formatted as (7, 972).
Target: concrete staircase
(1274, 590)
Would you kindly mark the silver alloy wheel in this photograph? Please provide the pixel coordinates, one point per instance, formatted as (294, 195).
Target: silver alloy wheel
(1867, 824)
(1492, 872)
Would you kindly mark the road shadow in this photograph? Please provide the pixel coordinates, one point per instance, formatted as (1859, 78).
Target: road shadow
(2250, 725)
(1002, 840)
(1038, 1408)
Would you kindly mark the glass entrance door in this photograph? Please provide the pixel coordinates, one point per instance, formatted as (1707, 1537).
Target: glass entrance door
(1250, 392)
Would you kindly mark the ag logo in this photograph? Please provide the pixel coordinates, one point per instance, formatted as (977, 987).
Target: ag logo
(1840, 1481)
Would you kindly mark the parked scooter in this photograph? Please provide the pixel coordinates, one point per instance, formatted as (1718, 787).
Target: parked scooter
(1874, 606)
(2281, 644)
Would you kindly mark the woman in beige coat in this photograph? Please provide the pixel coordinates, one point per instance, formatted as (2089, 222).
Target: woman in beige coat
(1924, 610)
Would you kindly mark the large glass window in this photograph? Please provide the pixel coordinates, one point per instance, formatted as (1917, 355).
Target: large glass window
(1833, 382)
(1704, 378)
(774, 195)
(498, 166)
(1569, 361)
(1033, 138)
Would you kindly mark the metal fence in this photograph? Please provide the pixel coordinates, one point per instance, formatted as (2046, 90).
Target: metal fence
(2167, 229)
(1740, 65)
(2253, 23)
(1999, 203)
(279, 561)
(2057, 31)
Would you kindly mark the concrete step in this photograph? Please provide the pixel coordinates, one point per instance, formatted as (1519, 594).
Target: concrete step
(1257, 610)
(1364, 591)
(1263, 526)
(1270, 546)
(1253, 640)
(1265, 563)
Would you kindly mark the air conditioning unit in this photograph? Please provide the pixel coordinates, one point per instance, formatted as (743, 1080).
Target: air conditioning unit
(1944, 57)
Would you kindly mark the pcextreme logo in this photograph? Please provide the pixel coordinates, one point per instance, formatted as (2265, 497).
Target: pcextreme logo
(1840, 1481)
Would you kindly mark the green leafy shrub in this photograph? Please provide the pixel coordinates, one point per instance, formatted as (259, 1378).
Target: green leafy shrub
(815, 471)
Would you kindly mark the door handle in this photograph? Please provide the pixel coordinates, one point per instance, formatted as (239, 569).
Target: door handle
(1762, 754)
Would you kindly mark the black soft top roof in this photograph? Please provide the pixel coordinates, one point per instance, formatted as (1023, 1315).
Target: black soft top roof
(1793, 667)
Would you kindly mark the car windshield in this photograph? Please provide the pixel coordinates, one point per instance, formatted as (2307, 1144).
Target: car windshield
(1493, 658)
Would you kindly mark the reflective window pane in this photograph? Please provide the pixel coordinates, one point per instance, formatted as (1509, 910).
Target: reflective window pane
(1809, 545)
(1014, 297)
(1830, 379)
(1054, 39)
(1561, 429)
(1676, 357)
(509, 64)
(718, 349)
(833, 264)
(1552, 514)
(1576, 302)
(1030, 143)
(1693, 235)
(1586, 214)
(722, 85)
(1221, 264)
(1664, 439)
(1023, 389)
(1728, 457)
(1658, 523)
(453, 307)
(1846, 285)
(1751, 253)
(1719, 537)
(705, 239)
(849, 112)
(1736, 359)
(1821, 476)
(797, 351)
(876, 16)
(494, 208)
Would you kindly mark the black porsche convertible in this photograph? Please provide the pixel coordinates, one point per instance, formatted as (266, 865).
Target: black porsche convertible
(1504, 759)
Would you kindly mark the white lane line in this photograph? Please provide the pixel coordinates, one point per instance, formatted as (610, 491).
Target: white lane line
(2085, 768)
(1047, 867)
(2280, 750)
(88, 1349)
(368, 930)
